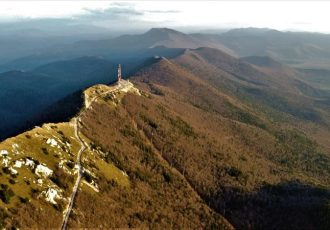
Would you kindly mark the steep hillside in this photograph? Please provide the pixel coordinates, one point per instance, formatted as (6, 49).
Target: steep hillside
(259, 172)
(278, 91)
(125, 181)
(317, 77)
(42, 87)
(192, 142)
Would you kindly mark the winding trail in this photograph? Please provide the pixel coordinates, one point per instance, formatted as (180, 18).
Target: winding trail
(122, 84)
(80, 174)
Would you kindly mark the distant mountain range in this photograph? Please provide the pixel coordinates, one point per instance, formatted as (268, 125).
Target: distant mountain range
(205, 139)
(303, 50)
(70, 67)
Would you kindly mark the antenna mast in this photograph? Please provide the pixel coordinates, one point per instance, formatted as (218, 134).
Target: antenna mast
(119, 72)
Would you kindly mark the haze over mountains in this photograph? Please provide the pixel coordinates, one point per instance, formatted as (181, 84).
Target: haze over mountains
(298, 49)
(238, 122)
(308, 51)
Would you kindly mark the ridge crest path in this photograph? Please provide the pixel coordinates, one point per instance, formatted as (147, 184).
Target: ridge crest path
(120, 85)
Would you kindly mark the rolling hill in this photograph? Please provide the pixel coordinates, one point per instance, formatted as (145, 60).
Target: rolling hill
(298, 49)
(256, 167)
(161, 40)
(130, 185)
(197, 139)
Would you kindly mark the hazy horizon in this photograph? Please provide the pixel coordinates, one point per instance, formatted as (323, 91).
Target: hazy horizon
(137, 16)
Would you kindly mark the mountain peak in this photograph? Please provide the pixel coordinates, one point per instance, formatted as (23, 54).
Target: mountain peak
(163, 31)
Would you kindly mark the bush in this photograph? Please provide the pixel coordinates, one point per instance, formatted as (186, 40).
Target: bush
(151, 123)
(139, 175)
(59, 207)
(3, 216)
(167, 177)
(88, 177)
(45, 151)
(6, 193)
(183, 127)
(112, 183)
(64, 138)
(110, 157)
(155, 90)
(237, 174)
(61, 178)
(35, 192)
(23, 200)
(6, 170)
(70, 164)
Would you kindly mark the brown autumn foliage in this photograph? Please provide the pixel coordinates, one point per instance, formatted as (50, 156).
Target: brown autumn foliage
(256, 172)
(28, 215)
(252, 171)
(210, 140)
(158, 197)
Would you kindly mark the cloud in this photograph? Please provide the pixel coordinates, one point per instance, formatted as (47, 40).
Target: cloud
(115, 11)
(122, 11)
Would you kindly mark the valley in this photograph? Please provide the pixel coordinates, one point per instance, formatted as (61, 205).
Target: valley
(196, 135)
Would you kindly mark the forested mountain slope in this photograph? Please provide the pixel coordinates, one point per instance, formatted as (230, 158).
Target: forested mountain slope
(200, 139)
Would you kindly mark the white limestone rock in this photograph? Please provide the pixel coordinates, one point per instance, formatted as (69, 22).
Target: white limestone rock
(4, 152)
(52, 142)
(18, 164)
(5, 162)
(13, 171)
(29, 163)
(42, 170)
(50, 195)
(40, 181)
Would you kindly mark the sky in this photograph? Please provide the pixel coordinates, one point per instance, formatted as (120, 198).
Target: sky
(310, 16)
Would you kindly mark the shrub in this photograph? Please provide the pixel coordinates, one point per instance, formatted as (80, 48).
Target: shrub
(23, 200)
(234, 172)
(183, 127)
(3, 216)
(44, 150)
(139, 175)
(70, 164)
(151, 123)
(112, 183)
(88, 177)
(6, 193)
(60, 178)
(112, 158)
(6, 170)
(155, 90)
(167, 177)
(59, 206)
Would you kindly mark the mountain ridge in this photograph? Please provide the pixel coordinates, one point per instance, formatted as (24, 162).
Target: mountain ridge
(187, 137)
(55, 135)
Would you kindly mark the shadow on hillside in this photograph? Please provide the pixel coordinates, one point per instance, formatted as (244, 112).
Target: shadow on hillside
(61, 111)
(289, 205)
